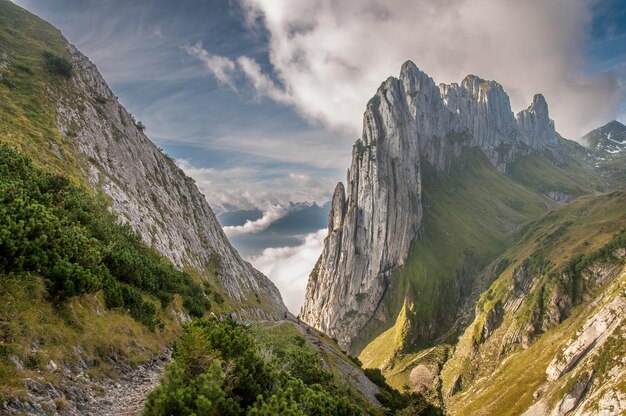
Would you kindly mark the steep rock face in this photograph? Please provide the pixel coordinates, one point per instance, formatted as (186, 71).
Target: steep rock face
(408, 122)
(151, 193)
(379, 218)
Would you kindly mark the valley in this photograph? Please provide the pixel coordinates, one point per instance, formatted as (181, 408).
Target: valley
(474, 261)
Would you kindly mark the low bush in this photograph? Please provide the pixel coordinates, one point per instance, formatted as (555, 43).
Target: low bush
(54, 229)
(57, 65)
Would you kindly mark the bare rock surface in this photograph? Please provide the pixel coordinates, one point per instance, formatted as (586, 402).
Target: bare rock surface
(595, 330)
(377, 214)
(150, 192)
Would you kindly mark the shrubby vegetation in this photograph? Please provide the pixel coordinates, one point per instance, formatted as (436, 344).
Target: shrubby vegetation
(57, 65)
(581, 262)
(217, 369)
(222, 368)
(54, 229)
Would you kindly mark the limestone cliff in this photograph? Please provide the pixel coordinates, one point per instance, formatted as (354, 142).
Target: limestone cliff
(410, 121)
(151, 193)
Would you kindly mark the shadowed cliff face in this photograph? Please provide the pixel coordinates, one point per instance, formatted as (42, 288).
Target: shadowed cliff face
(152, 194)
(410, 121)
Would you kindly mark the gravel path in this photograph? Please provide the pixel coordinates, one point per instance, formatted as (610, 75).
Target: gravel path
(127, 396)
(79, 395)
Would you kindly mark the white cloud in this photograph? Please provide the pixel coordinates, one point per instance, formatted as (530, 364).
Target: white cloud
(248, 188)
(289, 267)
(220, 67)
(261, 82)
(330, 56)
(271, 214)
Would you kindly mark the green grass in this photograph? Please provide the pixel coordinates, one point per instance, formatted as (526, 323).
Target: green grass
(470, 215)
(566, 172)
(27, 102)
(493, 379)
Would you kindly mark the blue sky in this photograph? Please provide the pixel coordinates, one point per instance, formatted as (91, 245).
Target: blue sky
(259, 149)
(261, 100)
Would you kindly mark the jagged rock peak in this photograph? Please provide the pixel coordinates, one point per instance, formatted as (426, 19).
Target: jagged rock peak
(373, 221)
(338, 208)
(537, 130)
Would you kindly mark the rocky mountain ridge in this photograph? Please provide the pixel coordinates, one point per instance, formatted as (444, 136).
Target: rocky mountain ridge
(374, 219)
(151, 193)
(610, 138)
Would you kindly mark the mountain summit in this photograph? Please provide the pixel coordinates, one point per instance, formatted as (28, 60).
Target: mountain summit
(610, 138)
(410, 122)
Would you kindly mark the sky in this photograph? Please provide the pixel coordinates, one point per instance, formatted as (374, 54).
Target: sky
(260, 101)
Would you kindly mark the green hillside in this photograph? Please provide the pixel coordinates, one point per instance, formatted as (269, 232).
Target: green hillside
(472, 214)
(567, 253)
(61, 247)
(31, 75)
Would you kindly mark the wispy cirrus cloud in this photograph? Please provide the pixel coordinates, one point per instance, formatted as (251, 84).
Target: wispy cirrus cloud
(220, 66)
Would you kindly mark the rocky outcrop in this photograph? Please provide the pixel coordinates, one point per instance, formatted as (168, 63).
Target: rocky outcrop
(575, 395)
(609, 139)
(149, 192)
(78, 394)
(593, 333)
(410, 121)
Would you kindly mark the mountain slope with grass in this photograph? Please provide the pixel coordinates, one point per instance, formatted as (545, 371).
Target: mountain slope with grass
(106, 247)
(58, 110)
(445, 190)
(548, 332)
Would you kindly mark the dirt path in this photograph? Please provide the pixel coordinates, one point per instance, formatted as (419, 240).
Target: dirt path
(127, 396)
(85, 396)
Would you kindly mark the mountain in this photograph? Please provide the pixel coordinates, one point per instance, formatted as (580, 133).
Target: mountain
(107, 248)
(610, 138)
(86, 132)
(472, 248)
(608, 150)
(423, 144)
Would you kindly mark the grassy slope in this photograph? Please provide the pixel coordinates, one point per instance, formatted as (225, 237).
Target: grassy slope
(570, 172)
(471, 214)
(469, 217)
(27, 109)
(506, 383)
(284, 336)
(34, 329)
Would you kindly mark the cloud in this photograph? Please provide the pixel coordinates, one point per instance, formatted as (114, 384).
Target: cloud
(219, 66)
(289, 267)
(329, 57)
(262, 83)
(271, 214)
(248, 187)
